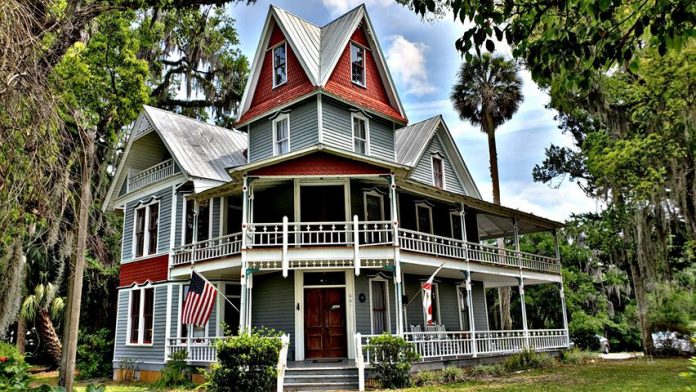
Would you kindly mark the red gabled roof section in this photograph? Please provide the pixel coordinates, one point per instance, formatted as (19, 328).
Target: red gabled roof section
(152, 270)
(265, 97)
(319, 164)
(374, 95)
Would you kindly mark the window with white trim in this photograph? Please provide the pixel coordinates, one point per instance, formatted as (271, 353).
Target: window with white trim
(281, 134)
(374, 205)
(456, 224)
(146, 230)
(435, 297)
(197, 220)
(233, 293)
(438, 172)
(379, 306)
(361, 134)
(280, 64)
(463, 308)
(357, 64)
(141, 315)
(424, 218)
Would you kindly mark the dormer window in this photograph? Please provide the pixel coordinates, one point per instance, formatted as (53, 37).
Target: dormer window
(357, 61)
(280, 65)
(438, 172)
(281, 134)
(361, 134)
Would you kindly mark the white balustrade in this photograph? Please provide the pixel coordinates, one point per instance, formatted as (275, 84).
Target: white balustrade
(224, 246)
(200, 350)
(151, 175)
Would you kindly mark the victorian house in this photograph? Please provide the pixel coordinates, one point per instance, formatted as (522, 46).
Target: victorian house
(320, 216)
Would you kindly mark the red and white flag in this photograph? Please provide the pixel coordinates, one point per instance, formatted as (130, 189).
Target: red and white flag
(427, 287)
(199, 301)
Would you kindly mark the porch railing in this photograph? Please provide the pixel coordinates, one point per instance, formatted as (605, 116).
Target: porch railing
(449, 247)
(227, 245)
(319, 233)
(440, 345)
(151, 175)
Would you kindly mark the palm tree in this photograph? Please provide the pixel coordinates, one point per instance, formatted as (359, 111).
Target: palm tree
(487, 93)
(43, 307)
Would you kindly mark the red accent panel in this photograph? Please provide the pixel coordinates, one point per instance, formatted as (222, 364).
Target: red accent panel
(374, 95)
(319, 164)
(154, 270)
(266, 97)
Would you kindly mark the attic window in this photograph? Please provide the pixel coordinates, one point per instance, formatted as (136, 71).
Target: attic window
(357, 61)
(438, 172)
(280, 65)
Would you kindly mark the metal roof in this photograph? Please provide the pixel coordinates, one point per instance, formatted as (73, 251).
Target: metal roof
(202, 150)
(304, 37)
(411, 141)
(334, 38)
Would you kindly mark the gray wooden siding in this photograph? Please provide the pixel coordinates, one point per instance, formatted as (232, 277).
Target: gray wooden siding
(141, 354)
(273, 304)
(303, 131)
(423, 170)
(362, 310)
(164, 196)
(478, 298)
(178, 231)
(338, 131)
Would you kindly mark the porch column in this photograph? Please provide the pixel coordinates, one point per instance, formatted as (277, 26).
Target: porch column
(462, 223)
(243, 270)
(470, 305)
(524, 312)
(398, 291)
(565, 315)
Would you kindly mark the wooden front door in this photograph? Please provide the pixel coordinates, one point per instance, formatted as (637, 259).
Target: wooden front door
(325, 323)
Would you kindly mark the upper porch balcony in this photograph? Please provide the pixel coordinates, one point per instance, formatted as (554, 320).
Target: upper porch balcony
(151, 175)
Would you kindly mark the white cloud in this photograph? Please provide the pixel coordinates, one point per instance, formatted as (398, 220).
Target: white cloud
(406, 61)
(338, 7)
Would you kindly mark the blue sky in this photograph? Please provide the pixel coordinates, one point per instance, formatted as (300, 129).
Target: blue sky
(424, 63)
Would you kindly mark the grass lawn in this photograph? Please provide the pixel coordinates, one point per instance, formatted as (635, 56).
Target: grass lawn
(600, 376)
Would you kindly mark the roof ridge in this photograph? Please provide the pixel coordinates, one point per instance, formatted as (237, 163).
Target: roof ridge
(420, 122)
(354, 9)
(191, 118)
(296, 16)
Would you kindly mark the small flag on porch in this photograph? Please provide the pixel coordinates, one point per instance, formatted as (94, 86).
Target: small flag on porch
(427, 287)
(199, 301)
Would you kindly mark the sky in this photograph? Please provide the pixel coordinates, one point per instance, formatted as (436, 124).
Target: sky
(424, 63)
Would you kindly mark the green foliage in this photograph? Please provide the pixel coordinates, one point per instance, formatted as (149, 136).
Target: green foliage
(672, 308)
(453, 374)
(690, 374)
(95, 388)
(392, 357)
(14, 374)
(574, 357)
(427, 377)
(527, 359)
(176, 372)
(246, 362)
(584, 330)
(481, 370)
(94, 354)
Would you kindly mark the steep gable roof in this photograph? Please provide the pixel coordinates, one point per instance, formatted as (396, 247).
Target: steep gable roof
(412, 141)
(318, 50)
(202, 151)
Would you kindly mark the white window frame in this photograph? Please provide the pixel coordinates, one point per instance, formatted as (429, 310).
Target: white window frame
(380, 278)
(146, 232)
(233, 328)
(439, 157)
(437, 320)
(361, 117)
(458, 216)
(373, 193)
(462, 304)
(284, 44)
(364, 63)
(278, 119)
(430, 215)
(141, 316)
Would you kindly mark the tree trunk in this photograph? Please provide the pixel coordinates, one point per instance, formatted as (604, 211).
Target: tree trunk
(49, 337)
(642, 302)
(21, 335)
(72, 325)
(504, 293)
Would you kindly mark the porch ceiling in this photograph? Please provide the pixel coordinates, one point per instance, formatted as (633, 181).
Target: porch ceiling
(488, 279)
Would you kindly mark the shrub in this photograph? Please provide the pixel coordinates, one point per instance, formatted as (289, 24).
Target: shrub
(453, 374)
(246, 363)
(691, 374)
(495, 370)
(94, 354)
(391, 358)
(427, 377)
(13, 369)
(527, 359)
(176, 372)
(574, 357)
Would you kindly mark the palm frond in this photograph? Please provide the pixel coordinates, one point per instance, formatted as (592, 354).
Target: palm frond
(30, 307)
(57, 308)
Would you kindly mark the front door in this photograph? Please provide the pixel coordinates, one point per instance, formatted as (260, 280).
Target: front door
(325, 323)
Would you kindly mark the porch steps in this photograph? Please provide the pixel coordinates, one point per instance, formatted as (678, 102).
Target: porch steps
(309, 378)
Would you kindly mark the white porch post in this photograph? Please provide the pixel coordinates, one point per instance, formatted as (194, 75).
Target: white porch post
(356, 245)
(462, 220)
(398, 292)
(524, 312)
(565, 316)
(470, 305)
(284, 258)
(243, 291)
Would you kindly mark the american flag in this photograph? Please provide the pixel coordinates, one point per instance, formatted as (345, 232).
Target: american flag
(427, 287)
(199, 301)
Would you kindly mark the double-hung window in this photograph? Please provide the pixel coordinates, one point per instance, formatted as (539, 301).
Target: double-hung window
(456, 225)
(280, 65)
(141, 315)
(281, 134)
(438, 172)
(379, 303)
(361, 134)
(146, 230)
(357, 61)
(424, 218)
(196, 221)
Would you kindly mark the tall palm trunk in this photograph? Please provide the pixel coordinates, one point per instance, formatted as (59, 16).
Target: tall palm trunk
(21, 335)
(504, 293)
(49, 337)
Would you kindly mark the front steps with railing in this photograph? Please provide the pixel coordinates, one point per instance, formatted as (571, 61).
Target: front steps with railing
(305, 376)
